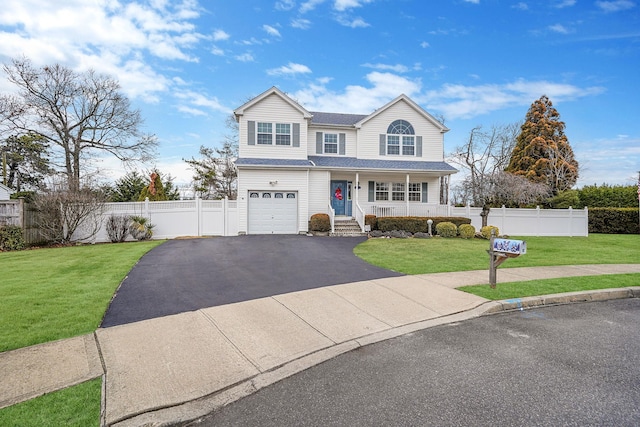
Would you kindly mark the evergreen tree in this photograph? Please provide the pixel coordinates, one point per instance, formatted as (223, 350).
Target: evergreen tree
(542, 153)
(25, 162)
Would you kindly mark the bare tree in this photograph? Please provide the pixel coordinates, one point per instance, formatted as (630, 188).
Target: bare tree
(485, 155)
(79, 114)
(66, 216)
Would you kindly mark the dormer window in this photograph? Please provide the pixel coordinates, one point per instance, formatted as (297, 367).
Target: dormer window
(400, 139)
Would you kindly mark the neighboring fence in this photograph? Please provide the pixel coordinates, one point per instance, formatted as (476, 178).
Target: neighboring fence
(11, 212)
(517, 222)
(531, 222)
(178, 218)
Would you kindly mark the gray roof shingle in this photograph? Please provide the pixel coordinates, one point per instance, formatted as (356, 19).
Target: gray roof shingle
(335, 118)
(350, 163)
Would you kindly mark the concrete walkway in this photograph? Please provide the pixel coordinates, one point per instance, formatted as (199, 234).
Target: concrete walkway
(180, 367)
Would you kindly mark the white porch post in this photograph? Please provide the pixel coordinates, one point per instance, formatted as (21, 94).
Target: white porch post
(406, 195)
(357, 198)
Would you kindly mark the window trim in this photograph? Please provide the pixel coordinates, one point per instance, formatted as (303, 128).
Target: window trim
(275, 134)
(391, 189)
(325, 143)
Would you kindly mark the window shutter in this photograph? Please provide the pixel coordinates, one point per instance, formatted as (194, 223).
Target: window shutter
(296, 135)
(425, 192)
(251, 132)
(318, 142)
(383, 144)
(372, 191)
(418, 146)
(343, 141)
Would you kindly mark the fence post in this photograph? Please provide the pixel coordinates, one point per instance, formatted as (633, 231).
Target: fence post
(146, 207)
(199, 215)
(570, 221)
(225, 213)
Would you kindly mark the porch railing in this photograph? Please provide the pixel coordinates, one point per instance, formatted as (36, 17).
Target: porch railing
(360, 216)
(401, 209)
(332, 217)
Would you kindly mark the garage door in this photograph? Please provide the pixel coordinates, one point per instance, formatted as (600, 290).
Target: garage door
(273, 212)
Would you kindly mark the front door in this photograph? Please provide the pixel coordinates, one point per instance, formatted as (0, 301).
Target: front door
(339, 196)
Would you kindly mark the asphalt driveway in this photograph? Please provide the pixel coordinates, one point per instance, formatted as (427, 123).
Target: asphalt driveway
(187, 275)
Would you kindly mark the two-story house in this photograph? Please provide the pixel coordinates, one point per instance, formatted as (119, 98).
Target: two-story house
(294, 163)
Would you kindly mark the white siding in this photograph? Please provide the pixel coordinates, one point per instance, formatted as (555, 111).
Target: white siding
(4, 193)
(319, 182)
(287, 180)
(272, 109)
(350, 141)
(369, 134)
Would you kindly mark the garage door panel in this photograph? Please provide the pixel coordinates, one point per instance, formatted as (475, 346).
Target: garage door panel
(273, 212)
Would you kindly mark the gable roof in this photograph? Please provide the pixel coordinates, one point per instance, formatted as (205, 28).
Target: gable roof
(416, 107)
(273, 91)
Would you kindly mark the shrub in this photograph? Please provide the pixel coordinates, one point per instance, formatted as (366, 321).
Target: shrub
(140, 228)
(117, 227)
(417, 224)
(447, 229)
(486, 231)
(11, 238)
(613, 220)
(320, 222)
(371, 220)
(467, 231)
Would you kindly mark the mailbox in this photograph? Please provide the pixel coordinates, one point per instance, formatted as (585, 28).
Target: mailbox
(510, 247)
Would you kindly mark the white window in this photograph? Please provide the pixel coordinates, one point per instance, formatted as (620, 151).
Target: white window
(331, 143)
(265, 135)
(401, 139)
(382, 191)
(283, 134)
(397, 192)
(415, 192)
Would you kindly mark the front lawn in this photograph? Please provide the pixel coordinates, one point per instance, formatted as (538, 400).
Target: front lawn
(436, 255)
(50, 294)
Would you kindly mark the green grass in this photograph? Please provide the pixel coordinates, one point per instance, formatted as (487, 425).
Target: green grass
(75, 406)
(552, 286)
(420, 256)
(50, 294)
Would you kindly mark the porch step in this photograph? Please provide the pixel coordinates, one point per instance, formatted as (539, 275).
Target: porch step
(346, 228)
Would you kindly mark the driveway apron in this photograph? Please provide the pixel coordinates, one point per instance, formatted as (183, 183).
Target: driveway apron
(190, 274)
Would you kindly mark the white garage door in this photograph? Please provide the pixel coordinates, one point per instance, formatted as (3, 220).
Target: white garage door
(273, 212)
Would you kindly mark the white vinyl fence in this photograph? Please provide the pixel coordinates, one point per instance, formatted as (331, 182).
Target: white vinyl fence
(177, 218)
(531, 222)
(198, 217)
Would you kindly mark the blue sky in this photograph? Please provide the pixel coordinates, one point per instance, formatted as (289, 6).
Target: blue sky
(187, 64)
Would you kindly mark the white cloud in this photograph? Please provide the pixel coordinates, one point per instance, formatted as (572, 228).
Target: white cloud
(219, 35)
(301, 23)
(472, 1)
(217, 51)
(352, 23)
(245, 57)
(272, 31)
(342, 5)
(565, 3)
(424, 45)
(559, 28)
(459, 101)
(382, 88)
(123, 37)
(398, 68)
(309, 5)
(289, 69)
(520, 6)
(196, 103)
(285, 5)
(616, 5)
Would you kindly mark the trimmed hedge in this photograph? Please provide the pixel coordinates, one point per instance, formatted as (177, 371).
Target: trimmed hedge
(320, 222)
(11, 238)
(371, 220)
(486, 231)
(447, 229)
(417, 224)
(614, 220)
(467, 231)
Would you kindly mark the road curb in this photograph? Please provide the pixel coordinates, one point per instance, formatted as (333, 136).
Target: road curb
(190, 412)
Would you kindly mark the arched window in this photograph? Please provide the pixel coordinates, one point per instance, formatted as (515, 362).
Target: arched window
(401, 139)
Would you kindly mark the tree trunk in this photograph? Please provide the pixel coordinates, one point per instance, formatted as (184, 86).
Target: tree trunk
(485, 214)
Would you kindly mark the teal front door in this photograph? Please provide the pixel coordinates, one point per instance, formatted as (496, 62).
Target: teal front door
(339, 196)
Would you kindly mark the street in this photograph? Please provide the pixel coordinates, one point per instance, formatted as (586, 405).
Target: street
(571, 365)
